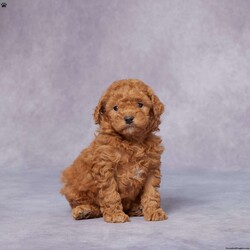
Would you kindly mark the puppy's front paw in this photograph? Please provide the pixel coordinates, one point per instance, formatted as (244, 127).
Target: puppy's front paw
(118, 217)
(155, 215)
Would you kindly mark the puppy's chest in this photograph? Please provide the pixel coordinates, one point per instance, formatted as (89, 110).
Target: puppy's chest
(132, 171)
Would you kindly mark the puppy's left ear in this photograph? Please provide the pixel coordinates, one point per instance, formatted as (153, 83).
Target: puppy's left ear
(158, 106)
(99, 111)
(157, 110)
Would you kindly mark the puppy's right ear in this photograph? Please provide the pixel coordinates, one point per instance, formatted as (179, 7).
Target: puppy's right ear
(99, 111)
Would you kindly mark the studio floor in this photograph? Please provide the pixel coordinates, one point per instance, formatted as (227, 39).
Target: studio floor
(207, 210)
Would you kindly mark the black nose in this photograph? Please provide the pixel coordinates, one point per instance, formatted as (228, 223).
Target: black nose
(129, 119)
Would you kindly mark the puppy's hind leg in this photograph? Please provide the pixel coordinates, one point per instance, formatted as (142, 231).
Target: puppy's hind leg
(86, 211)
(82, 204)
(135, 209)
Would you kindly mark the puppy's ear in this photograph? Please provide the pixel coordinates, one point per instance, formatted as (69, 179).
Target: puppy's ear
(157, 110)
(158, 107)
(99, 111)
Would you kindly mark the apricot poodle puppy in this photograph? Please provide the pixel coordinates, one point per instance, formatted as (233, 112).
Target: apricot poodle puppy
(118, 175)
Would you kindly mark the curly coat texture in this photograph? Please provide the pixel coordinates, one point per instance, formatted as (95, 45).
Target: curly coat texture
(118, 175)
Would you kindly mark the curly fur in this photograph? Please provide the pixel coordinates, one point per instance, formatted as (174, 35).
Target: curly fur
(118, 175)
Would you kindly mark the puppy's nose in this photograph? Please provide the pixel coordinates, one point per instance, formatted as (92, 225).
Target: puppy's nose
(129, 119)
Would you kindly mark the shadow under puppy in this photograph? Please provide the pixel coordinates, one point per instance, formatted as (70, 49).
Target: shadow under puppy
(118, 175)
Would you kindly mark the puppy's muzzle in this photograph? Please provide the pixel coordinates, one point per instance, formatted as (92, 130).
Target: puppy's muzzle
(129, 119)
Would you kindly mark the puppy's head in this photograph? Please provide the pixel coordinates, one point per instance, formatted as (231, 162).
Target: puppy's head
(129, 108)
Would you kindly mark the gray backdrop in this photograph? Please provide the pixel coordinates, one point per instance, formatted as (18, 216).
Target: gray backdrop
(57, 58)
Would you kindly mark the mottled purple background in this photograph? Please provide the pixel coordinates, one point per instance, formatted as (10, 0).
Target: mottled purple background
(57, 58)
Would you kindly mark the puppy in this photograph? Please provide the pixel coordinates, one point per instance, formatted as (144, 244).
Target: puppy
(118, 175)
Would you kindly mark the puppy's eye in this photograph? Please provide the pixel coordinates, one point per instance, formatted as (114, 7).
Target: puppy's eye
(140, 105)
(115, 108)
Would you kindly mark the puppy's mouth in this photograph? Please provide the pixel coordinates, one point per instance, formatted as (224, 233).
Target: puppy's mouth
(129, 128)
